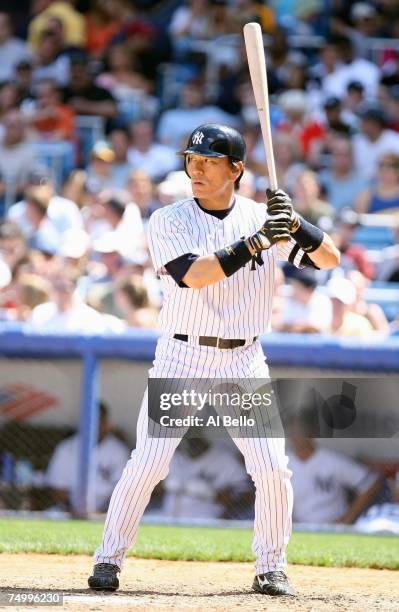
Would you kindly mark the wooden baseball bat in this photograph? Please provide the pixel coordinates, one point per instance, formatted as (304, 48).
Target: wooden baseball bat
(257, 68)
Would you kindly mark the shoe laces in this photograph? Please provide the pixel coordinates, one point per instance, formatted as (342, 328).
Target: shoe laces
(107, 568)
(275, 576)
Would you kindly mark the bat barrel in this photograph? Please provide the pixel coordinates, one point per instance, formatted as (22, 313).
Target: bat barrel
(257, 68)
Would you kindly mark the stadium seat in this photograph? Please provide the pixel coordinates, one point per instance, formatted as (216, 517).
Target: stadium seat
(386, 296)
(58, 157)
(89, 129)
(374, 237)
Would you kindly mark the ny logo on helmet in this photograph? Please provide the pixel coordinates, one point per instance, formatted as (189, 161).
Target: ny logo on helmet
(198, 138)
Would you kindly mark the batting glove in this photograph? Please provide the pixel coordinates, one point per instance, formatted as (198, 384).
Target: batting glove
(280, 202)
(275, 229)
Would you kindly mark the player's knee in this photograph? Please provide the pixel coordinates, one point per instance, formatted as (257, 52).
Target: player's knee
(267, 475)
(145, 473)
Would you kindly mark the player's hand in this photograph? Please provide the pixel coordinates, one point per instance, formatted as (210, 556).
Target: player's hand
(280, 202)
(275, 229)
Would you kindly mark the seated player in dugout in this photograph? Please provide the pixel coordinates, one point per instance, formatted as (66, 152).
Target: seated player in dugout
(62, 476)
(329, 487)
(216, 254)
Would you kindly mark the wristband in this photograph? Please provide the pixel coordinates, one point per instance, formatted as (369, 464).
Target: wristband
(308, 236)
(233, 257)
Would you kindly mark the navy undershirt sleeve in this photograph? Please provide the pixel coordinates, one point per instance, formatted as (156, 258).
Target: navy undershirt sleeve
(178, 267)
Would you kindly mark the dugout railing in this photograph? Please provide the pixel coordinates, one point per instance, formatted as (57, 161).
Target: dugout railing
(35, 360)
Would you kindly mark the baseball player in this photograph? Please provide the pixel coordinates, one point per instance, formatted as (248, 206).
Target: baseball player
(216, 254)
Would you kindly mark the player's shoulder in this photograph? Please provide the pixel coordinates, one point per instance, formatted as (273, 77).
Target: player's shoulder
(68, 445)
(330, 456)
(111, 443)
(172, 212)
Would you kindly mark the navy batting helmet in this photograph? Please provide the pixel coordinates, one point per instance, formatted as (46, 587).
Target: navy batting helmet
(214, 140)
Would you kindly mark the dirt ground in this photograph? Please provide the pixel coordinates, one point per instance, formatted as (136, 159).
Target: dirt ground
(151, 585)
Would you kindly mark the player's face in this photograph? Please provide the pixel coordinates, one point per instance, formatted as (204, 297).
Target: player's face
(211, 177)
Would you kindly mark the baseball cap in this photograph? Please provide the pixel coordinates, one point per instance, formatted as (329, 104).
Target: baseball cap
(103, 151)
(24, 64)
(374, 112)
(215, 140)
(362, 10)
(356, 85)
(341, 289)
(305, 276)
(294, 100)
(332, 102)
(107, 243)
(115, 202)
(75, 243)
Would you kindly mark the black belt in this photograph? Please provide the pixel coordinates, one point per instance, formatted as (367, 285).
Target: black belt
(221, 343)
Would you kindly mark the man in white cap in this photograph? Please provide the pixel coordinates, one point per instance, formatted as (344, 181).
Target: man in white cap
(345, 322)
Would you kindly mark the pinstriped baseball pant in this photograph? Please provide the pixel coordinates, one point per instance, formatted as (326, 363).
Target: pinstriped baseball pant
(265, 459)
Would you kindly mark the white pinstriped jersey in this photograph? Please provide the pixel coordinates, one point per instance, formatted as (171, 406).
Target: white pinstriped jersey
(236, 307)
(239, 306)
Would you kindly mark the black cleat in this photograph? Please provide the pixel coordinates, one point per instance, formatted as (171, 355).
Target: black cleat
(273, 583)
(104, 577)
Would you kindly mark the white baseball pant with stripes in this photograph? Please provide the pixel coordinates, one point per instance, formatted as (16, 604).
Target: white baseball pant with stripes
(265, 459)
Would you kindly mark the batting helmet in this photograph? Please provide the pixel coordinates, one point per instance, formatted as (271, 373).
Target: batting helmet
(214, 140)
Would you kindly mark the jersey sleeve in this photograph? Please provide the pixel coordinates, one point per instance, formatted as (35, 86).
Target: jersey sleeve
(168, 239)
(59, 474)
(178, 267)
(354, 475)
(292, 252)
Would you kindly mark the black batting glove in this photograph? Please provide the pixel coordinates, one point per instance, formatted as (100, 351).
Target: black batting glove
(279, 202)
(275, 229)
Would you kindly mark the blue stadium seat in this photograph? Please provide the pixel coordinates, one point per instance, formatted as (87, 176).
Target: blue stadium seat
(88, 130)
(374, 237)
(382, 284)
(58, 157)
(386, 296)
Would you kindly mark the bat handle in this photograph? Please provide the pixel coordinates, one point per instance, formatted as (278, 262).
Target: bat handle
(265, 126)
(268, 145)
(272, 175)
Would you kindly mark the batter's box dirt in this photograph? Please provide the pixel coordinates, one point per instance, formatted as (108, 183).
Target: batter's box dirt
(152, 585)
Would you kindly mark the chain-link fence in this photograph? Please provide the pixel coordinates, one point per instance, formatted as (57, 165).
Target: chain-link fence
(39, 441)
(39, 407)
(59, 453)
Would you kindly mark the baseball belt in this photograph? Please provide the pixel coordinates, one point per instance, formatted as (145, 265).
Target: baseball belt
(221, 343)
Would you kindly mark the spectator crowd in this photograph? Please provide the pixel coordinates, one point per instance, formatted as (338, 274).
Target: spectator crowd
(96, 97)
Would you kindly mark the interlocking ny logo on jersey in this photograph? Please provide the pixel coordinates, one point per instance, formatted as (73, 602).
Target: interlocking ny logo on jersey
(198, 138)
